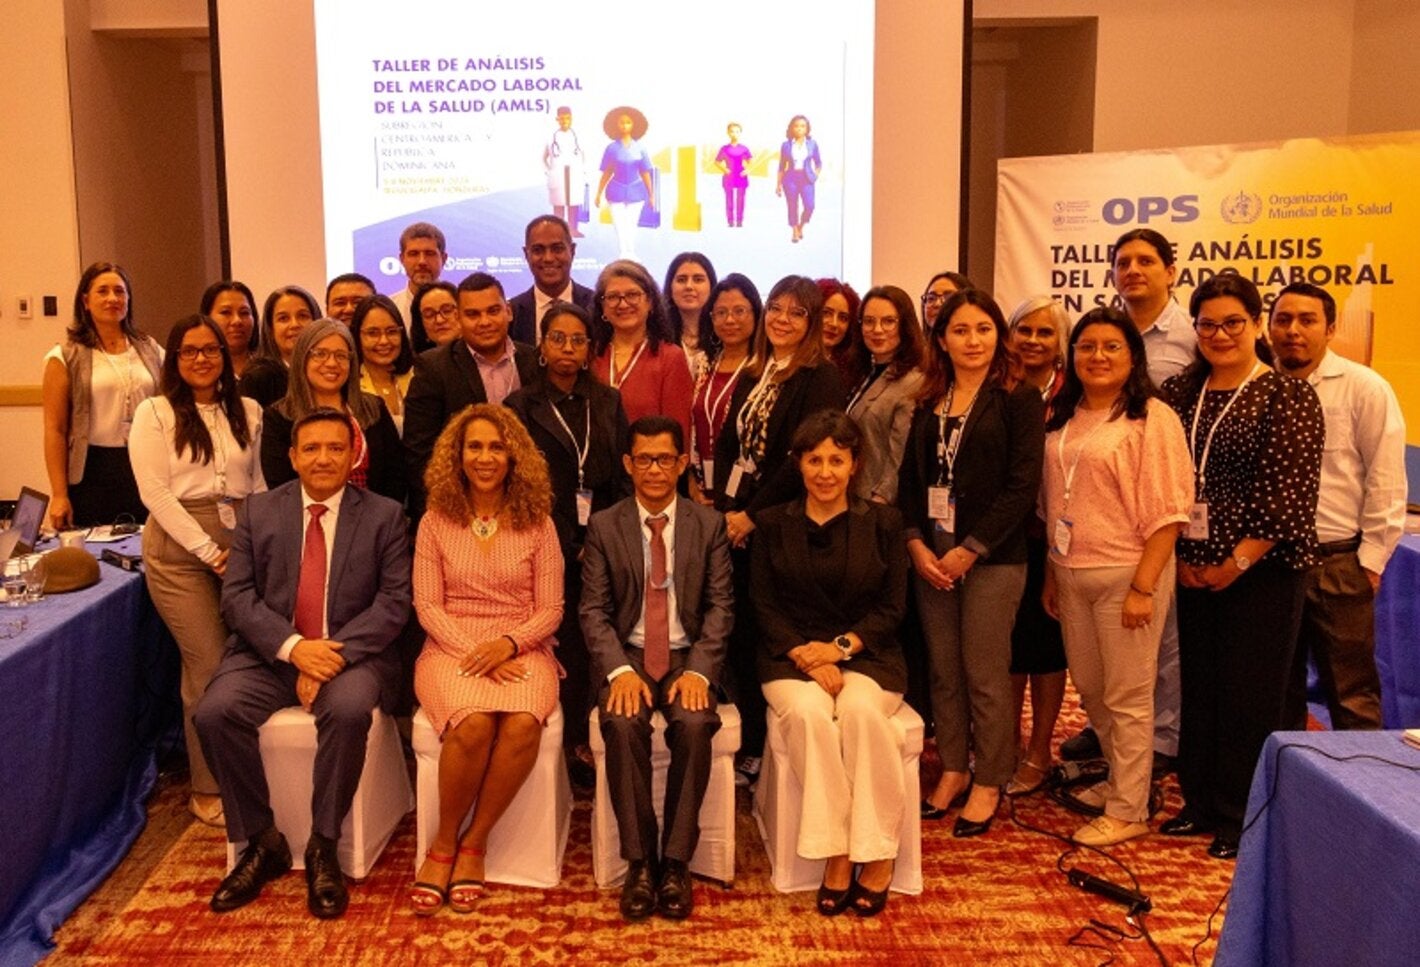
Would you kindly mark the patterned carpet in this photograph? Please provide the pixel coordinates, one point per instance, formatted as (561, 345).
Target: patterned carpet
(997, 899)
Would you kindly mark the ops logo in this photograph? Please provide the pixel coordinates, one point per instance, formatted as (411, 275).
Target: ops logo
(389, 265)
(1124, 211)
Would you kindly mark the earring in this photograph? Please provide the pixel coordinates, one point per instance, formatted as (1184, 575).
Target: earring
(541, 359)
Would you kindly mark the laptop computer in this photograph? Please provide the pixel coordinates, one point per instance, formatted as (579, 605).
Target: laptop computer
(26, 523)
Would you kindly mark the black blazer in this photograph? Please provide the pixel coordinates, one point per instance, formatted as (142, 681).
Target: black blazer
(997, 478)
(810, 389)
(265, 381)
(524, 304)
(603, 472)
(387, 474)
(446, 379)
(793, 609)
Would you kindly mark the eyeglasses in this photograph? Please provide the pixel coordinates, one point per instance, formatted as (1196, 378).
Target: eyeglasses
(561, 339)
(1111, 348)
(880, 322)
(935, 298)
(666, 461)
(738, 312)
(381, 335)
(1233, 326)
(327, 355)
(442, 312)
(619, 298)
(797, 313)
(188, 353)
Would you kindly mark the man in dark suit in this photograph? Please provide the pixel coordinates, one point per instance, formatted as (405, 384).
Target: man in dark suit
(657, 607)
(485, 366)
(549, 250)
(317, 586)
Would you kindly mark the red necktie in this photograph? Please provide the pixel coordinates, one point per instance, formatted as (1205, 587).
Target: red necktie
(658, 623)
(310, 588)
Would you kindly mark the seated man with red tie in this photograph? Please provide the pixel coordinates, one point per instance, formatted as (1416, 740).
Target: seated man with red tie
(657, 606)
(317, 586)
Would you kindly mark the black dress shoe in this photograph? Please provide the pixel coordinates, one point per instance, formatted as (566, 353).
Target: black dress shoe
(583, 776)
(264, 859)
(1223, 847)
(326, 895)
(1185, 824)
(1083, 745)
(1163, 765)
(638, 893)
(965, 827)
(677, 897)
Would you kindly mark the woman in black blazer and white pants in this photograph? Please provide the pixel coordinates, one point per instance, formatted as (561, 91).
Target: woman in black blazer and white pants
(830, 590)
(787, 379)
(969, 479)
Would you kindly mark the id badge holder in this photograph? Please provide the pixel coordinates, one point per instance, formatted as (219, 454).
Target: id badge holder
(732, 487)
(707, 473)
(1064, 530)
(227, 514)
(942, 507)
(584, 507)
(1197, 529)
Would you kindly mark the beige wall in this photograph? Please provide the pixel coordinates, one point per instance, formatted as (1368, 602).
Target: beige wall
(1385, 76)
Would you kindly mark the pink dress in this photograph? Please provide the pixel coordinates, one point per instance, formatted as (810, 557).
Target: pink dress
(468, 590)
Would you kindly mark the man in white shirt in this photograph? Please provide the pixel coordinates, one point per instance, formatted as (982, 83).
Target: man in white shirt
(657, 608)
(1360, 513)
(549, 250)
(422, 252)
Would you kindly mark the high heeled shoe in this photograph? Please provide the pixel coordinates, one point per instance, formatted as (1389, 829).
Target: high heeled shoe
(832, 902)
(965, 827)
(865, 902)
(426, 898)
(463, 893)
(930, 811)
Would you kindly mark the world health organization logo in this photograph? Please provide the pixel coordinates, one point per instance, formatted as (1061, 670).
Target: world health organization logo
(1241, 209)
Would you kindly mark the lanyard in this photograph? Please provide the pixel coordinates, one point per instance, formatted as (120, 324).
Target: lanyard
(215, 427)
(947, 449)
(864, 386)
(1202, 472)
(1074, 464)
(711, 407)
(616, 380)
(125, 379)
(583, 448)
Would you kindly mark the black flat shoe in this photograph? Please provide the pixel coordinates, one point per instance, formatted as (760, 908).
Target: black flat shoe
(676, 896)
(1223, 848)
(1185, 824)
(326, 895)
(1083, 745)
(259, 865)
(965, 827)
(638, 893)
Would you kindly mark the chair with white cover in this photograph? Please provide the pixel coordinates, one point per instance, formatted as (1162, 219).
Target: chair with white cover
(778, 802)
(526, 846)
(288, 755)
(715, 851)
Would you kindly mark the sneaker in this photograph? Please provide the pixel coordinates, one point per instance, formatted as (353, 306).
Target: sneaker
(747, 771)
(1108, 831)
(1083, 745)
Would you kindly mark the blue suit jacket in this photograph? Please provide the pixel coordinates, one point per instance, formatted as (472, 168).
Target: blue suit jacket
(367, 597)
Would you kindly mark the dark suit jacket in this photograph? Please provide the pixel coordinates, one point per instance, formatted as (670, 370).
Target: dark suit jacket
(793, 608)
(367, 595)
(524, 327)
(446, 379)
(265, 381)
(997, 479)
(614, 583)
(603, 473)
(387, 475)
(809, 390)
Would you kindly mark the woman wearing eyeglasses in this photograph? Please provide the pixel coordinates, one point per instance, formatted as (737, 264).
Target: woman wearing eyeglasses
(939, 289)
(383, 354)
(580, 427)
(434, 316)
(194, 455)
(729, 322)
(1256, 441)
(631, 347)
(887, 338)
(323, 374)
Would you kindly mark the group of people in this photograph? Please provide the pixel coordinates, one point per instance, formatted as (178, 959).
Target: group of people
(649, 498)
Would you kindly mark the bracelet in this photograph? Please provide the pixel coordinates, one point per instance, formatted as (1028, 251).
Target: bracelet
(514, 642)
(1138, 590)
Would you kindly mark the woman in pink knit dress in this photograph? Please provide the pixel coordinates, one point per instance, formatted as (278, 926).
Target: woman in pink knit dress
(488, 591)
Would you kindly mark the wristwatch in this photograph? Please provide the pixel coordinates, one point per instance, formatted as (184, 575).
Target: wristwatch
(1242, 562)
(845, 645)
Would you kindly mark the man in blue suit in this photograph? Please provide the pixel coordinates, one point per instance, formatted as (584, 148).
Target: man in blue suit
(317, 586)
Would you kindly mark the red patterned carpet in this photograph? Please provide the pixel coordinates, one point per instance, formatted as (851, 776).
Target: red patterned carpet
(998, 899)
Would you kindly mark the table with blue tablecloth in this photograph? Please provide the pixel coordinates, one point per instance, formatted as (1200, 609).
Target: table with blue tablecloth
(1398, 638)
(1327, 866)
(87, 689)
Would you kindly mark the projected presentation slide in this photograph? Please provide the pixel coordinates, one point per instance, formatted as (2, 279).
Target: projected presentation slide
(742, 131)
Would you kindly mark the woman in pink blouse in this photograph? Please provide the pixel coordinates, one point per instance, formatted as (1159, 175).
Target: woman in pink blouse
(1117, 488)
(633, 350)
(488, 591)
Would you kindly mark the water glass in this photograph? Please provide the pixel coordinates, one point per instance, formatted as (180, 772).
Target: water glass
(14, 582)
(35, 573)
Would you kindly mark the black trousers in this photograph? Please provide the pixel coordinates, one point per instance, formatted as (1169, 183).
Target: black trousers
(238, 703)
(1235, 654)
(108, 490)
(628, 767)
(742, 660)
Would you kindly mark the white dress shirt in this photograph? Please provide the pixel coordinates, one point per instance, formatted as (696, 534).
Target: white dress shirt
(542, 302)
(637, 638)
(404, 299)
(327, 523)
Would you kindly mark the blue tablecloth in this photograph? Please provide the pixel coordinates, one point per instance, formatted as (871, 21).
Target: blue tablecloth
(86, 690)
(1326, 873)
(1398, 638)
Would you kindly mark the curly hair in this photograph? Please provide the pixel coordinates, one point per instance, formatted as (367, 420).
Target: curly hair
(527, 487)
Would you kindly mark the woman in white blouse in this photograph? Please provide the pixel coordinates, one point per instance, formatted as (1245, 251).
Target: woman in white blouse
(194, 452)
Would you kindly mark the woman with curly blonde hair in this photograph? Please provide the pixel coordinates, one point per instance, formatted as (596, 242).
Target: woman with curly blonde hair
(488, 591)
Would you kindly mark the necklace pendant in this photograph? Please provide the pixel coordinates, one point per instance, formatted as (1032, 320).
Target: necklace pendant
(484, 527)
